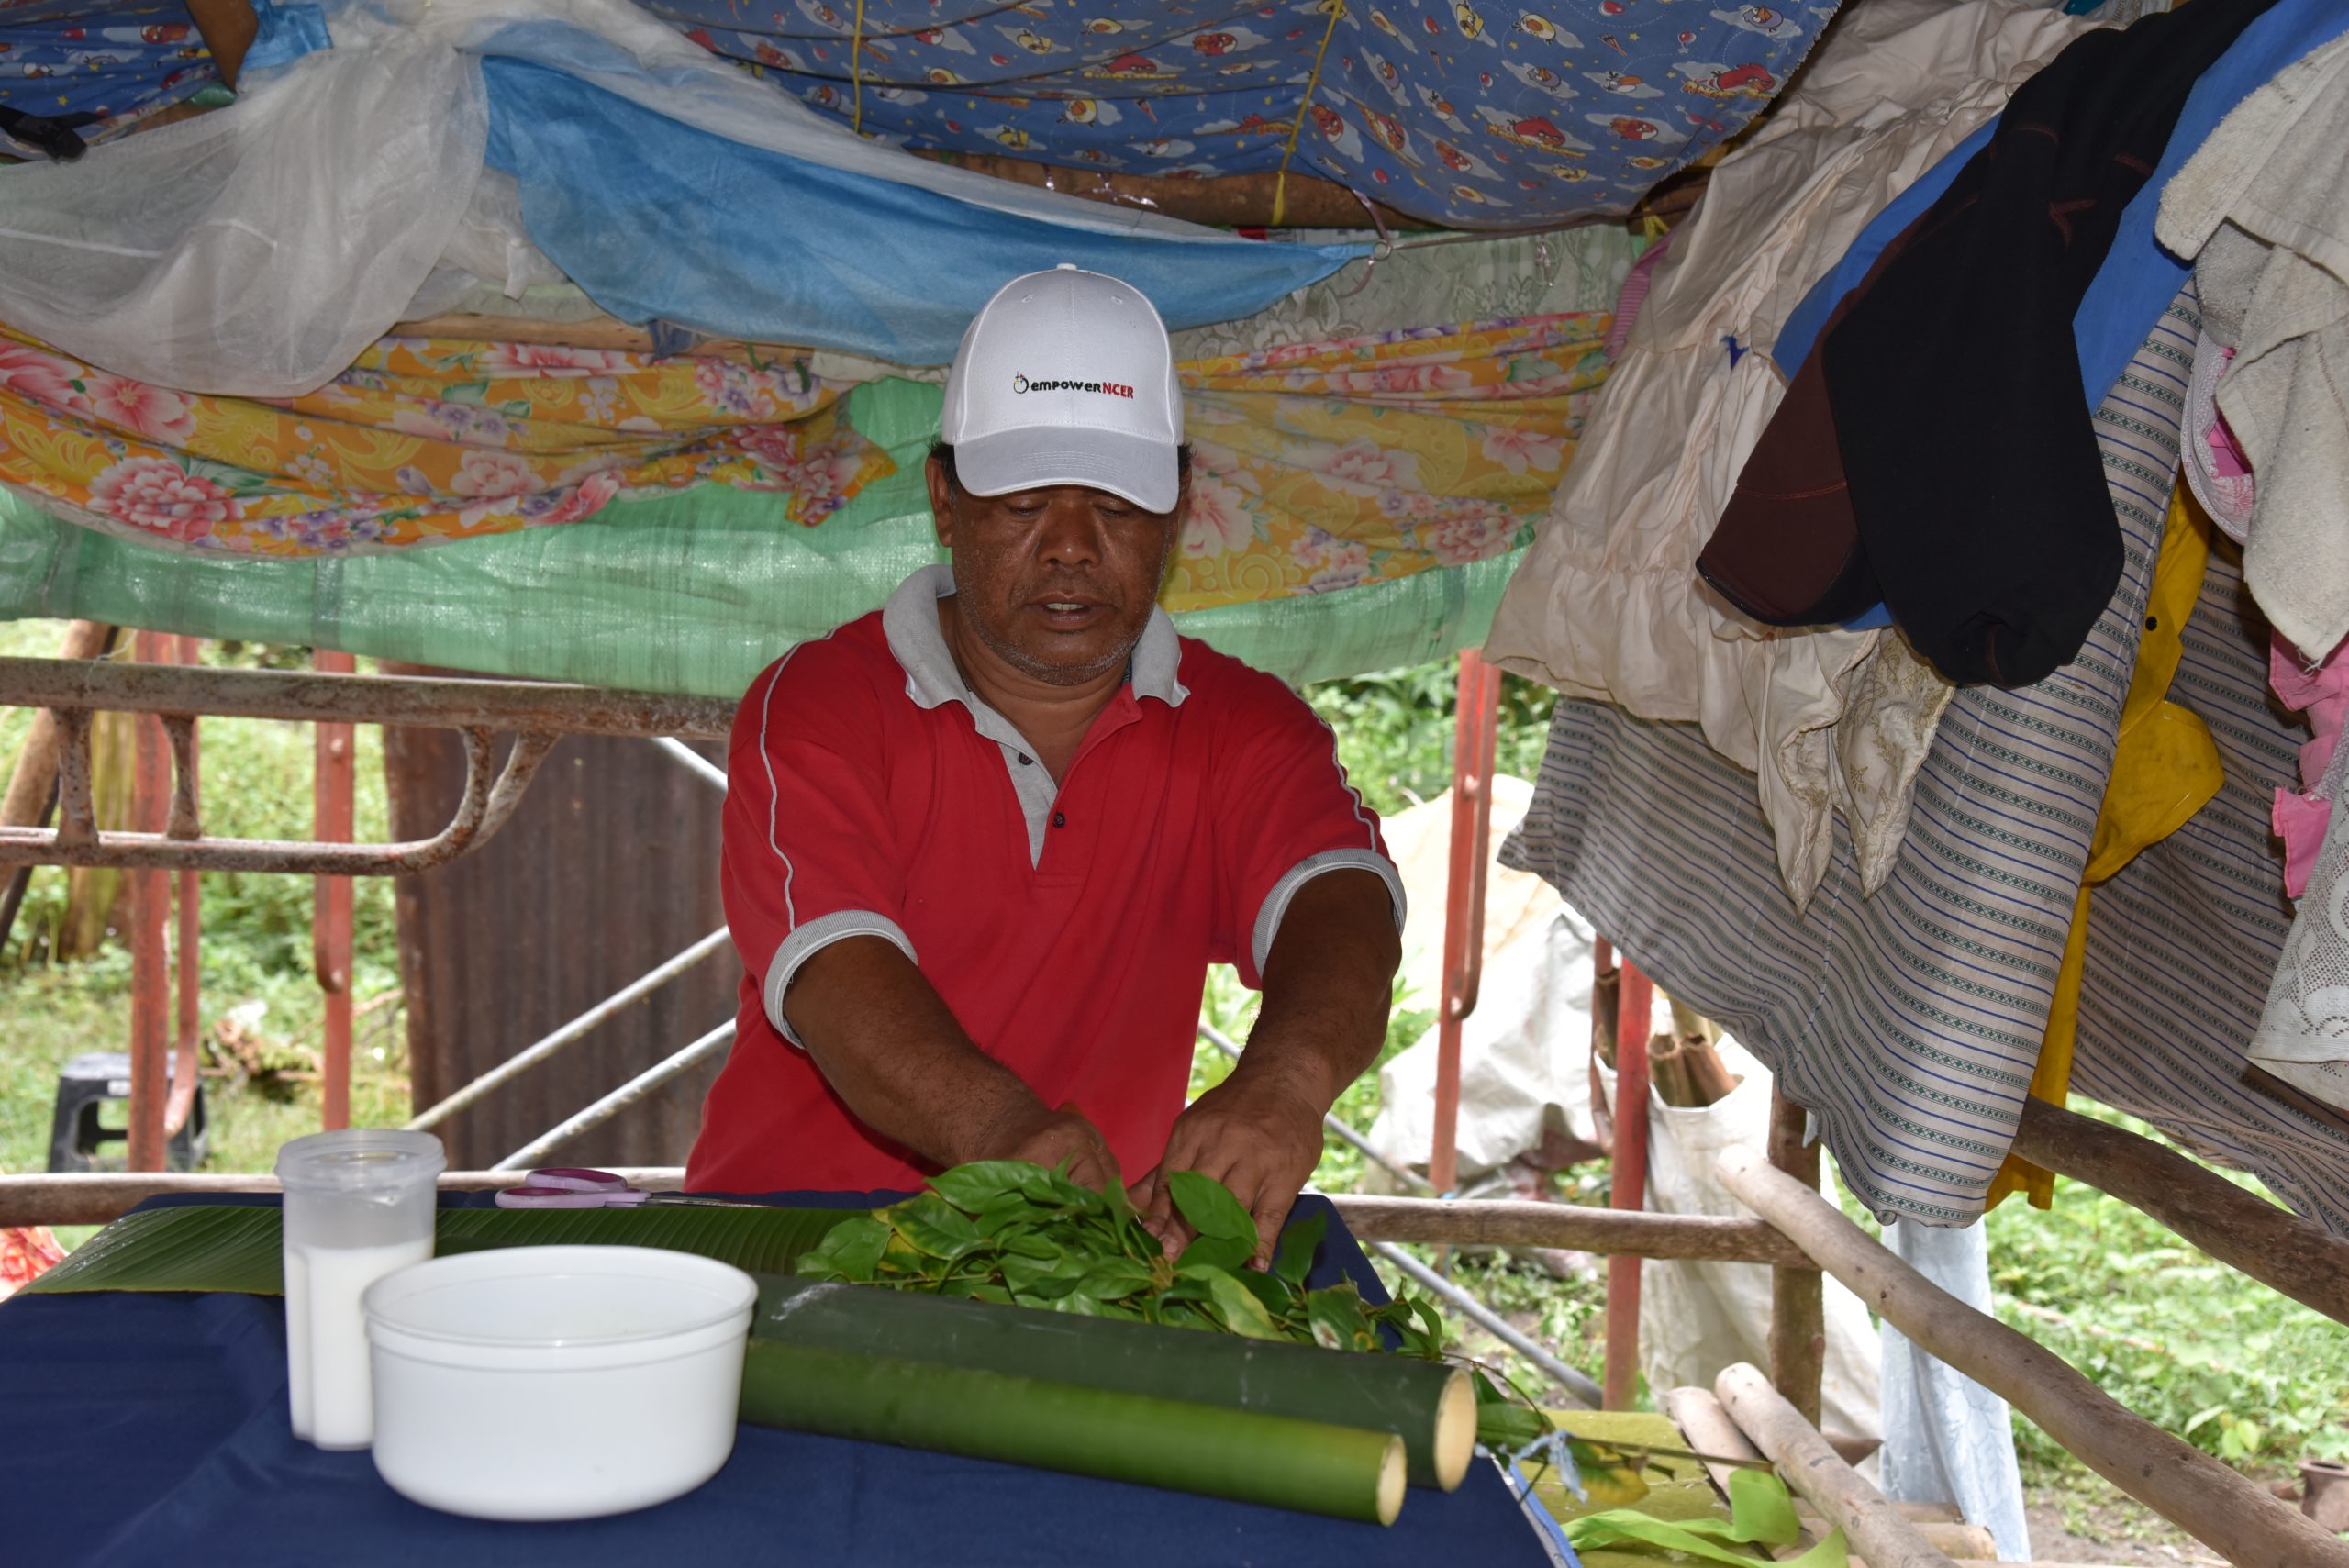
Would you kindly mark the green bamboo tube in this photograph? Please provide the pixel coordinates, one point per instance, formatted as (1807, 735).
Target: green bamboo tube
(1217, 1453)
(1432, 1407)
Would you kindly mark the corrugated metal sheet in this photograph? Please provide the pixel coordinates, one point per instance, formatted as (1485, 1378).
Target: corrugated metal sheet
(609, 867)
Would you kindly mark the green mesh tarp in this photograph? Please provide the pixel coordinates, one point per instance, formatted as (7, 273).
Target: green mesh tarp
(694, 592)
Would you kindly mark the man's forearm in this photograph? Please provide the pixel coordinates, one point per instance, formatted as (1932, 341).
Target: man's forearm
(893, 1051)
(1328, 986)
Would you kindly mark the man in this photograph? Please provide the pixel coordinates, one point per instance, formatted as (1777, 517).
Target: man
(981, 845)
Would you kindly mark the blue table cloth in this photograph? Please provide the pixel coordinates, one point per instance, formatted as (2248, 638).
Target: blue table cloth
(153, 1430)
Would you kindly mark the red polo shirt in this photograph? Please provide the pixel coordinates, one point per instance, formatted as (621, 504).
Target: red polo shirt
(869, 793)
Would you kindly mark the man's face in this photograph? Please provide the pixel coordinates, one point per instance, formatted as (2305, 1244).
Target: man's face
(1058, 582)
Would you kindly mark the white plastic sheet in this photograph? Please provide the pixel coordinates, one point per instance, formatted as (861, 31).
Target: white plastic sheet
(256, 250)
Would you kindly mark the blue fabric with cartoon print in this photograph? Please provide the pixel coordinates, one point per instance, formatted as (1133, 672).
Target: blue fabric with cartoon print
(1484, 114)
(95, 66)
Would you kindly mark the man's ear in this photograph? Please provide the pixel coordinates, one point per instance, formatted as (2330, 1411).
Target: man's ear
(941, 502)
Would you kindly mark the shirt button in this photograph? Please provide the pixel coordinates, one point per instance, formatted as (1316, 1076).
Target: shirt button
(1026, 761)
(1060, 818)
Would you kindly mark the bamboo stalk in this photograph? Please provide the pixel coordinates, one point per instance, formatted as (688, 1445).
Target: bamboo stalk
(1432, 1407)
(1708, 1429)
(1875, 1528)
(2240, 1229)
(1272, 1459)
(2183, 1485)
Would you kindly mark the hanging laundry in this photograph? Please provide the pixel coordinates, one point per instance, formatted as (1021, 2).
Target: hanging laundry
(1997, 556)
(2264, 207)
(1607, 603)
(1912, 1019)
(2166, 768)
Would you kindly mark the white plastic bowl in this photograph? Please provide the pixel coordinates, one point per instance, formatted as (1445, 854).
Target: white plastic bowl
(556, 1383)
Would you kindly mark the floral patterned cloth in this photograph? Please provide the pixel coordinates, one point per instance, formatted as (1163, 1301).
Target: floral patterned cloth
(27, 1253)
(1330, 465)
(1319, 465)
(421, 440)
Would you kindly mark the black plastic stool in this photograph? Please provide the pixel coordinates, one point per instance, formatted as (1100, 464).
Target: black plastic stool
(96, 1078)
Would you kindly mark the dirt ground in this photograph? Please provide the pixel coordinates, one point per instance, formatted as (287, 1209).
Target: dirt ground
(2090, 1522)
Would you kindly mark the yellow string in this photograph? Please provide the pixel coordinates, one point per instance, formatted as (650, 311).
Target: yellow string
(1280, 180)
(856, 73)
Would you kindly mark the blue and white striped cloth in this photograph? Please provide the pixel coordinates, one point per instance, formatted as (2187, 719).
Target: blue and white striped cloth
(1911, 1020)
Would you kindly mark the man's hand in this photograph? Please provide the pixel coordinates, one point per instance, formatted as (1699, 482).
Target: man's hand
(1326, 990)
(1047, 1137)
(1258, 1136)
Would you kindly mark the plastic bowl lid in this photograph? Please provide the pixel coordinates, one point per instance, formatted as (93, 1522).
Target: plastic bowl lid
(360, 1160)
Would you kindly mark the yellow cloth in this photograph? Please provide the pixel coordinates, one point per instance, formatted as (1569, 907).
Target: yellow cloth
(2164, 769)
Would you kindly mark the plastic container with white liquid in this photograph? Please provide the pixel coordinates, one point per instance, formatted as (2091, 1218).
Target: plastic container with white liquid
(358, 1204)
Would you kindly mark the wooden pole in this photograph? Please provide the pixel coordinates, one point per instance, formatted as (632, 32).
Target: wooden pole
(2240, 1229)
(2182, 1484)
(1506, 1223)
(1627, 1180)
(1797, 1295)
(1875, 1529)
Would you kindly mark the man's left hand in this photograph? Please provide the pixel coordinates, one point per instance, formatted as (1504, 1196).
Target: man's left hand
(1258, 1136)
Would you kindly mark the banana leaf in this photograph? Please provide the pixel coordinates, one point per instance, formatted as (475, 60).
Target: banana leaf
(219, 1247)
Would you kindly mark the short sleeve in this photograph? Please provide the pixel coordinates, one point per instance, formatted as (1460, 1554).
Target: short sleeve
(810, 856)
(1284, 814)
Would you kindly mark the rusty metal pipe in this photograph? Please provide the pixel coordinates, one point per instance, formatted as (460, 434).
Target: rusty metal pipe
(333, 811)
(1628, 1182)
(504, 706)
(150, 908)
(620, 1099)
(696, 763)
(1574, 1382)
(529, 1056)
(483, 810)
(1475, 739)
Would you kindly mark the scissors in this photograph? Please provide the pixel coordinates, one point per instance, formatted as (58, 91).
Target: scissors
(575, 1186)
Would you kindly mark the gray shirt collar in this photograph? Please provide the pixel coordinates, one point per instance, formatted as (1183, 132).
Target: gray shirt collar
(910, 620)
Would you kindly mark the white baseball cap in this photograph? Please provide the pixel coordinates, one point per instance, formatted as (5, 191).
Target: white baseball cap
(1066, 377)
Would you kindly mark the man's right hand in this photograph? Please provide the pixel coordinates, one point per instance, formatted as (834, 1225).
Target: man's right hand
(1047, 1137)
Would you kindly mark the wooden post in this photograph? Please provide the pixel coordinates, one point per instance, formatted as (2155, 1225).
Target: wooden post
(150, 908)
(2272, 1245)
(1627, 1180)
(2185, 1485)
(1474, 740)
(1797, 1295)
(331, 934)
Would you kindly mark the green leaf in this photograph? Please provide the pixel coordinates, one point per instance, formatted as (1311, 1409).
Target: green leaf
(983, 1183)
(1209, 1208)
(853, 1252)
(1112, 1278)
(1241, 1311)
(1338, 1319)
(1298, 1243)
(935, 1228)
(207, 1247)
(1216, 1253)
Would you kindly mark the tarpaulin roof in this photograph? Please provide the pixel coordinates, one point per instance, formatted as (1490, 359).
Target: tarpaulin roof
(1481, 116)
